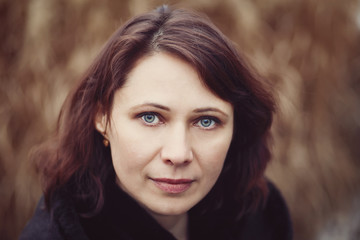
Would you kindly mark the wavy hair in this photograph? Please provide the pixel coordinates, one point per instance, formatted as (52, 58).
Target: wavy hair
(76, 161)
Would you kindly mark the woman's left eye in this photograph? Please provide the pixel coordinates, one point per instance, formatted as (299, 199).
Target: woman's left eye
(207, 123)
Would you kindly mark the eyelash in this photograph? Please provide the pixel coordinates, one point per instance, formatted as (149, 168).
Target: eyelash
(214, 120)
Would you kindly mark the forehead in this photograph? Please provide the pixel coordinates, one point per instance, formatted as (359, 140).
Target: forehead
(168, 80)
(162, 69)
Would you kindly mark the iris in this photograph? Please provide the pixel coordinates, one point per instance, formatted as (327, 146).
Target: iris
(206, 122)
(149, 118)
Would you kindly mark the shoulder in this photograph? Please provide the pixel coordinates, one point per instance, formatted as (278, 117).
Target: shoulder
(40, 226)
(271, 221)
(62, 222)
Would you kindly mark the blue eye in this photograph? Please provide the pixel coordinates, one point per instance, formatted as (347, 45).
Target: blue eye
(150, 118)
(207, 123)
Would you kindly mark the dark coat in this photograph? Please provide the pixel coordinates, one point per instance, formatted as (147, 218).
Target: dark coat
(122, 218)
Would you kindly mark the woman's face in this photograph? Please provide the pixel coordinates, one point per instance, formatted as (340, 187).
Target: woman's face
(169, 135)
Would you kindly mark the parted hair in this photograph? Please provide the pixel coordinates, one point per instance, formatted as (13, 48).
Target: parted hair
(75, 160)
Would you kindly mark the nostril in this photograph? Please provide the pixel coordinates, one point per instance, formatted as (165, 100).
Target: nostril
(169, 162)
(187, 162)
(174, 162)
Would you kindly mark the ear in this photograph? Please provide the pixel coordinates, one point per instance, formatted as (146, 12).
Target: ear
(101, 122)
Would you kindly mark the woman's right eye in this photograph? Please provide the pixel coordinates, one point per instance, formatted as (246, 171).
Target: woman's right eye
(150, 119)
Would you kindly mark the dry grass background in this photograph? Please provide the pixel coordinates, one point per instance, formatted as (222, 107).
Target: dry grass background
(308, 49)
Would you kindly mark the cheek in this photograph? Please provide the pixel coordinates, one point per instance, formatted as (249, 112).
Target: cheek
(214, 165)
(213, 148)
(212, 159)
(129, 153)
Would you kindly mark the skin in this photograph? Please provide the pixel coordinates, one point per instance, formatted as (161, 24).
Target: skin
(166, 124)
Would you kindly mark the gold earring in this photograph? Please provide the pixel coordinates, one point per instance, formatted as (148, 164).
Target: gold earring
(106, 142)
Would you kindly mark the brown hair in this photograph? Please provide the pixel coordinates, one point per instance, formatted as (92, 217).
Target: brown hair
(76, 161)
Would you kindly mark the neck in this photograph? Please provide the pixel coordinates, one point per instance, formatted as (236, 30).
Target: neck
(176, 225)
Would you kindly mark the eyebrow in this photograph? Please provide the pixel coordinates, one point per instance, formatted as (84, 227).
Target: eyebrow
(197, 110)
(210, 109)
(152, 105)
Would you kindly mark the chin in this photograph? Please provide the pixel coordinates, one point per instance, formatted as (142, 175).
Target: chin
(170, 208)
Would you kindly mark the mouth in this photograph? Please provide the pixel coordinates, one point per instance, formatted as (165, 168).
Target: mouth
(173, 186)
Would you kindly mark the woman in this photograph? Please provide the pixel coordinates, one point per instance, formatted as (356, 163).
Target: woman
(165, 137)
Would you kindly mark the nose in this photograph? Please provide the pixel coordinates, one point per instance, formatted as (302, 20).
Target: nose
(176, 149)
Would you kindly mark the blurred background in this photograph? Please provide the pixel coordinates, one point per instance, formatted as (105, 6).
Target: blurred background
(308, 49)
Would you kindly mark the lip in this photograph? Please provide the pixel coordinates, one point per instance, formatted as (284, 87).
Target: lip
(173, 186)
